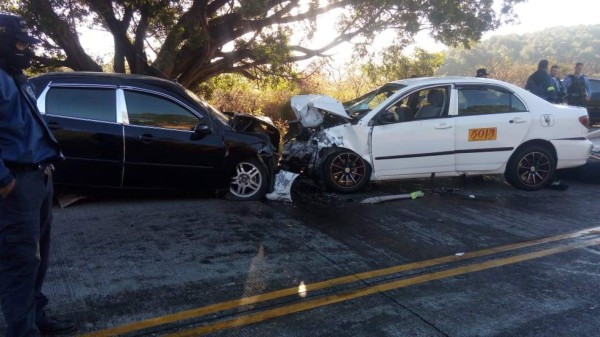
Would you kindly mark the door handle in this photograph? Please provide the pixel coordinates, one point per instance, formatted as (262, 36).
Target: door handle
(517, 120)
(54, 126)
(443, 126)
(146, 139)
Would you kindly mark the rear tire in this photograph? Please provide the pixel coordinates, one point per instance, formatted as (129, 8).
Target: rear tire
(531, 168)
(345, 171)
(249, 181)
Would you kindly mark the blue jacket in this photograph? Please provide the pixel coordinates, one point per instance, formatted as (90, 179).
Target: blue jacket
(540, 84)
(24, 136)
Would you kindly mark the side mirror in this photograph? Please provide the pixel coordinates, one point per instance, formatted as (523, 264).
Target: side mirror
(386, 117)
(201, 130)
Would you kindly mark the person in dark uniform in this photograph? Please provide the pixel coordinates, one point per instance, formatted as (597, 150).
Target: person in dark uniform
(540, 82)
(27, 151)
(578, 87)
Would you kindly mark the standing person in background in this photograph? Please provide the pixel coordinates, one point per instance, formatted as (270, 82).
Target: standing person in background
(577, 87)
(27, 150)
(540, 82)
(482, 72)
(557, 84)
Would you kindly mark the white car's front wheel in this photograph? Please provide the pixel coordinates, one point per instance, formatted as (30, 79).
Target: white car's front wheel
(345, 171)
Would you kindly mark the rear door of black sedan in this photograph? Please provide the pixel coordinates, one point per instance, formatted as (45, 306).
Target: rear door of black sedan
(84, 120)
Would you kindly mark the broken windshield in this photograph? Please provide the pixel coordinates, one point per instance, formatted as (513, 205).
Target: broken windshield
(365, 103)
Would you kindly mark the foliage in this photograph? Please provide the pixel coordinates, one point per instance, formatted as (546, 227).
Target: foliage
(195, 40)
(270, 95)
(394, 65)
(236, 93)
(513, 57)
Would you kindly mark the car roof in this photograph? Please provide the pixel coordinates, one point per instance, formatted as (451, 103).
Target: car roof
(447, 79)
(107, 78)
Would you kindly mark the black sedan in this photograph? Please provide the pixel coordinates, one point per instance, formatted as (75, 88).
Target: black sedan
(141, 132)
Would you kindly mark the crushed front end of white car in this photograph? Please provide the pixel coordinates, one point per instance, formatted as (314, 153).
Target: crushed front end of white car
(323, 128)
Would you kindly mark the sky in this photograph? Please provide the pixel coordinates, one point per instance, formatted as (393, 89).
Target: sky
(534, 15)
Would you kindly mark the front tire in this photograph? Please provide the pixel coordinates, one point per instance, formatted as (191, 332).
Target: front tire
(531, 168)
(249, 181)
(345, 171)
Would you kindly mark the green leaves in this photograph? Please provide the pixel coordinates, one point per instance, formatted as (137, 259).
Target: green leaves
(192, 40)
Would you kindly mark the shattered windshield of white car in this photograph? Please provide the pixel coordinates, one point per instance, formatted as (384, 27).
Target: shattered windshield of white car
(365, 103)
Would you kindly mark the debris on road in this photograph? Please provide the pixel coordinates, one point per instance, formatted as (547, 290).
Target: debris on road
(374, 200)
(283, 186)
(65, 200)
(468, 196)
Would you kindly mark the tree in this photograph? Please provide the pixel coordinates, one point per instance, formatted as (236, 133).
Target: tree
(395, 66)
(194, 40)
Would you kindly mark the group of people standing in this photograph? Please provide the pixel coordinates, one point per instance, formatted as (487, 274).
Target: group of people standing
(574, 89)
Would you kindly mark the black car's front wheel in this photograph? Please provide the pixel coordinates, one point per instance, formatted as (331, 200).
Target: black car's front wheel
(345, 171)
(249, 181)
(531, 168)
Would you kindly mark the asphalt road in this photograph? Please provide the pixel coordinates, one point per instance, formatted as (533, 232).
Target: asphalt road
(488, 260)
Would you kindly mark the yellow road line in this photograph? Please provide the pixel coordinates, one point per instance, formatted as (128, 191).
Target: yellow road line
(198, 312)
(337, 298)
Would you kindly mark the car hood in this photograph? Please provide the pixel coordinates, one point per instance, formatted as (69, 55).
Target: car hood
(311, 109)
(241, 122)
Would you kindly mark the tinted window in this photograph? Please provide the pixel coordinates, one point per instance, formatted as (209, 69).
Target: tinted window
(485, 100)
(595, 85)
(148, 110)
(88, 103)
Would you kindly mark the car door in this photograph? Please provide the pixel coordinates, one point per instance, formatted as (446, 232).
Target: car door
(491, 123)
(161, 148)
(84, 121)
(418, 142)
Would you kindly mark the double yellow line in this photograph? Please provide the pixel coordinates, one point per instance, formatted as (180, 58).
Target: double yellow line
(341, 297)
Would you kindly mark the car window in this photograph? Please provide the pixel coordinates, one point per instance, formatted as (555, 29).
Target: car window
(487, 100)
(149, 110)
(595, 85)
(214, 111)
(430, 102)
(88, 103)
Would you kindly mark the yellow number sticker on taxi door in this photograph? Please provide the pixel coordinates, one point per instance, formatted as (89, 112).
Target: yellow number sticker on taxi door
(482, 134)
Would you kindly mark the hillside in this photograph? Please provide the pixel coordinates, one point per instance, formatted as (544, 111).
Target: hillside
(511, 57)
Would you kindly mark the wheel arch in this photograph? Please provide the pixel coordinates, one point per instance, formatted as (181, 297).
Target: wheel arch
(239, 154)
(538, 142)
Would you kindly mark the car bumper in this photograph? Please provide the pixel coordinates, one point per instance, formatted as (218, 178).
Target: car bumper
(572, 152)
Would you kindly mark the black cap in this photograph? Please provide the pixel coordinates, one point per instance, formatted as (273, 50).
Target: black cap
(482, 72)
(15, 26)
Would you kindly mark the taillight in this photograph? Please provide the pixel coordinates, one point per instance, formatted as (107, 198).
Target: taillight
(585, 121)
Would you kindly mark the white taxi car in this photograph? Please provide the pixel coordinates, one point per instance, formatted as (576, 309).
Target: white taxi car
(446, 126)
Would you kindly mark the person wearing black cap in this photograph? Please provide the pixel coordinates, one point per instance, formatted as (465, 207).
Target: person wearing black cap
(482, 72)
(27, 151)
